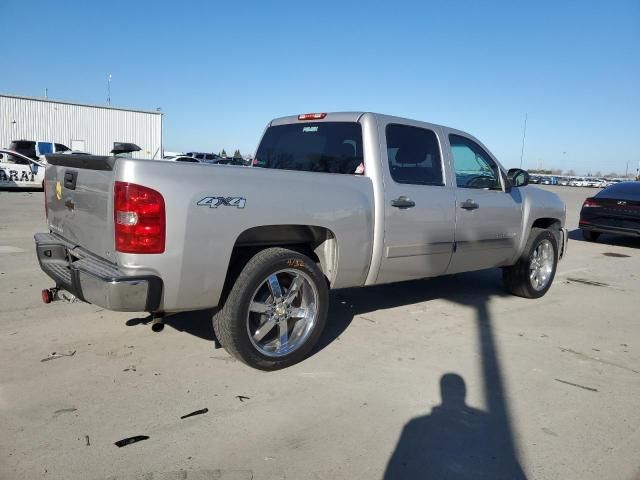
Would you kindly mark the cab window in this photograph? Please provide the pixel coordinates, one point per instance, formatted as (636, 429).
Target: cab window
(473, 166)
(414, 155)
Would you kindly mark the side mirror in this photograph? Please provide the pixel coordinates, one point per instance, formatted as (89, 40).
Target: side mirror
(518, 177)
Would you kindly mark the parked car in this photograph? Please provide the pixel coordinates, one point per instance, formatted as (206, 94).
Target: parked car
(36, 149)
(549, 180)
(616, 209)
(184, 158)
(579, 182)
(20, 171)
(595, 182)
(564, 181)
(263, 245)
(231, 161)
(534, 179)
(204, 157)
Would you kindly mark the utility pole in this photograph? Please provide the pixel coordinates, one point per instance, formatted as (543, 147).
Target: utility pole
(524, 133)
(109, 90)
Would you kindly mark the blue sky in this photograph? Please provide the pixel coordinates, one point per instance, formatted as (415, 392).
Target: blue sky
(221, 70)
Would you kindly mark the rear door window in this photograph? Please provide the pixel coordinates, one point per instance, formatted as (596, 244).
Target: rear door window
(414, 155)
(329, 147)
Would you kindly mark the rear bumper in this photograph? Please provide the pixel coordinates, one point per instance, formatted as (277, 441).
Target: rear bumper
(593, 227)
(95, 280)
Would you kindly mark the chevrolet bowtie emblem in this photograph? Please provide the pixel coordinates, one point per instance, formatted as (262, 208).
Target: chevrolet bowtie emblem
(58, 191)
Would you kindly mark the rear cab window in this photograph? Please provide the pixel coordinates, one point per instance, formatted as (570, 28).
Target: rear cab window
(414, 155)
(328, 147)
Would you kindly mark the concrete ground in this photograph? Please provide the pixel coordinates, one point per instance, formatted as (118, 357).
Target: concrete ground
(440, 378)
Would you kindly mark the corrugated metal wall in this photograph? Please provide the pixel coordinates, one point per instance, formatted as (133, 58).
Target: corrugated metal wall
(98, 127)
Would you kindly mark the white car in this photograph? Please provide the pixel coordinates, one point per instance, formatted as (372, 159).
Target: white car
(595, 182)
(20, 171)
(579, 182)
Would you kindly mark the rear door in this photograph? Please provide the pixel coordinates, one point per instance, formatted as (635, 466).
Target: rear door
(488, 218)
(79, 195)
(419, 207)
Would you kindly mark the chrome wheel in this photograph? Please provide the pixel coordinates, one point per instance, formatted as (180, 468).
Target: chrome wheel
(541, 265)
(282, 312)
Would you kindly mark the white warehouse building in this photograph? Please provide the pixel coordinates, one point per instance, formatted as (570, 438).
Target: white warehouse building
(89, 128)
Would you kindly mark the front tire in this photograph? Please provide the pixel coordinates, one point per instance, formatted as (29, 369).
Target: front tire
(275, 311)
(533, 274)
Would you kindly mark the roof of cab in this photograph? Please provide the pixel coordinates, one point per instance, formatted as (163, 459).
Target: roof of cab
(355, 117)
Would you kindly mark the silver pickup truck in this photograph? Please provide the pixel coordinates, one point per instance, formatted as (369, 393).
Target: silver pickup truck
(333, 200)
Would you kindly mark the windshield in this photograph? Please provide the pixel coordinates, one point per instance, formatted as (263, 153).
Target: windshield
(330, 147)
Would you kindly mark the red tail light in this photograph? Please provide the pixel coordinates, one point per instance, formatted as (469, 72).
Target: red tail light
(140, 220)
(590, 202)
(312, 116)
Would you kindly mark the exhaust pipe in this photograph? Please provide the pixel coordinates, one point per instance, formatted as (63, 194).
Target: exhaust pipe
(157, 324)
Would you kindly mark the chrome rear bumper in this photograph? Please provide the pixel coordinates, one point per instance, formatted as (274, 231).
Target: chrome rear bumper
(95, 280)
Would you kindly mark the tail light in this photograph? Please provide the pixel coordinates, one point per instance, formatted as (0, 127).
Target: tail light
(140, 220)
(312, 116)
(590, 202)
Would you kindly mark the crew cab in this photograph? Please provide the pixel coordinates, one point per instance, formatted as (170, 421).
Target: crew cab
(334, 200)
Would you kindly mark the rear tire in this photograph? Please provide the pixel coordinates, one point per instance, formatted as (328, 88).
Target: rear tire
(590, 236)
(276, 310)
(533, 274)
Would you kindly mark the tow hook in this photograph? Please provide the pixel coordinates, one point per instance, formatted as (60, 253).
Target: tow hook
(49, 294)
(55, 293)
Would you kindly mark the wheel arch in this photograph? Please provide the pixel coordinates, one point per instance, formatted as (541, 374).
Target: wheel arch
(317, 242)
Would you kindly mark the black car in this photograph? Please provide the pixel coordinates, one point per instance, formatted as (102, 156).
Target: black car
(616, 209)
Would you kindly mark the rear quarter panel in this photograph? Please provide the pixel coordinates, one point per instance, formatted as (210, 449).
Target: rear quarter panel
(200, 239)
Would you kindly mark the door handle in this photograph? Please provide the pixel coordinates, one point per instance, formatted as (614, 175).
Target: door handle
(469, 205)
(403, 202)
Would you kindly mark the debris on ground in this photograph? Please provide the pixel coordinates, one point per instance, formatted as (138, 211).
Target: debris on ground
(86, 438)
(132, 368)
(128, 441)
(64, 410)
(55, 355)
(242, 398)
(197, 412)
(585, 281)
(576, 385)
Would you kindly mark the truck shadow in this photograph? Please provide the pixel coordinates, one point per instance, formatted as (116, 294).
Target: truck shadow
(453, 440)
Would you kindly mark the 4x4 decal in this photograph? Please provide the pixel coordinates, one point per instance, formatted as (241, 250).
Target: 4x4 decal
(215, 202)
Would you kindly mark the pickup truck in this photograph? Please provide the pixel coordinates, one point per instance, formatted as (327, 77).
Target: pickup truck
(262, 246)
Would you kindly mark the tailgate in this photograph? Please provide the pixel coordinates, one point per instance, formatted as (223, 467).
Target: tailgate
(78, 191)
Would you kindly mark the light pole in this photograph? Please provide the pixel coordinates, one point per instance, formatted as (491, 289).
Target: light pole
(524, 133)
(109, 90)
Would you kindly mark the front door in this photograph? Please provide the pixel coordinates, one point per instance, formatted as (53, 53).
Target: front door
(488, 218)
(419, 208)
